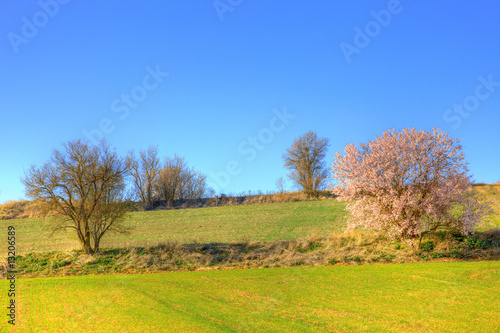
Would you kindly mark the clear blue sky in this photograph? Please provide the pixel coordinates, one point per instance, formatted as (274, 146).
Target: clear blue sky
(347, 70)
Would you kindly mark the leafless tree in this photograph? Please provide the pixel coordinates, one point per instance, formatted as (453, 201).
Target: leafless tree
(195, 186)
(144, 172)
(171, 178)
(280, 184)
(210, 193)
(305, 161)
(176, 181)
(82, 187)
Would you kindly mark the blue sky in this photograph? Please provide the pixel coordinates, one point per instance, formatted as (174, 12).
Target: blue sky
(208, 79)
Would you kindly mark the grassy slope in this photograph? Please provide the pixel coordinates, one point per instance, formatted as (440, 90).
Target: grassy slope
(492, 193)
(429, 297)
(277, 221)
(259, 222)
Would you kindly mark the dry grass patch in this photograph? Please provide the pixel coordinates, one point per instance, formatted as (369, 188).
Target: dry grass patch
(346, 248)
(18, 209)
(492, 194)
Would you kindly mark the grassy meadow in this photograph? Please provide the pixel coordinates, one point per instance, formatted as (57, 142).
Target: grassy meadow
(258, 222)
(309, 296)
(226, 224)
(422, 297)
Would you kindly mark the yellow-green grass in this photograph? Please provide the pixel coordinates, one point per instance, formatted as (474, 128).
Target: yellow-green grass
(423, 297)
(492, 194)
(258, 222)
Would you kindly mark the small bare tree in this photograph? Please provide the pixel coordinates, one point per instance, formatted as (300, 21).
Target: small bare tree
(82, 188)
(196, 186)
(280, 185)
(176, 181)
(305, 161)
(144, 172)
(171, 178)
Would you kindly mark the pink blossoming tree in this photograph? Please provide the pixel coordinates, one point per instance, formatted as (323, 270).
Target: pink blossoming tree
(406, 184)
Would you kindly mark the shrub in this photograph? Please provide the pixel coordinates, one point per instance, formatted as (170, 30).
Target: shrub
(475, 243)
(427, 245)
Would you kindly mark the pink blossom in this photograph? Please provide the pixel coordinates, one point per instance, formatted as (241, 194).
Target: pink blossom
(408, 183)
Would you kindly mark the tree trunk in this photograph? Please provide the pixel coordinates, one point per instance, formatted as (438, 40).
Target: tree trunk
(413, 246)
(97, 241)
(87, 248)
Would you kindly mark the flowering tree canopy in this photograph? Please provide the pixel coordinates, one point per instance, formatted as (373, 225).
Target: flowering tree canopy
(408, 183)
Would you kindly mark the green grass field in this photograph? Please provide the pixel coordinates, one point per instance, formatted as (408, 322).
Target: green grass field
(277, 221)
(428, 297)
(419, 297)
(259, 222)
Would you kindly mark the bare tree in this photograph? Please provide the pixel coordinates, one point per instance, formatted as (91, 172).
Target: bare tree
(305, 161)
(144, 172)
(196, 186)
(280, 184)
(176, 181)
(171, 178)
(209, 193)
(82, 188)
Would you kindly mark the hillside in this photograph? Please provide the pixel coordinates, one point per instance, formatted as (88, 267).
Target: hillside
(306, 233)
(492, 193)
(257, 222)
